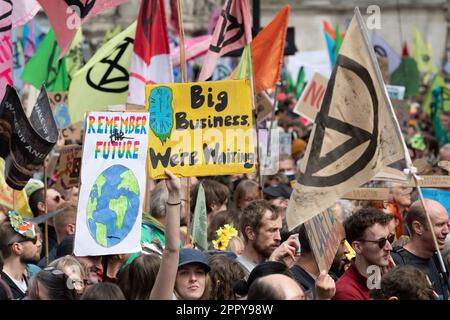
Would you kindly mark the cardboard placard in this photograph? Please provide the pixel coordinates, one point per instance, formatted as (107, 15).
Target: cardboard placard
(59, 104)
(432, 182)
(263, 105)
(309, 103)
(396, 92)
(324, 239)
(368, 194)
(68, 174)
(201, 128)
(73, 131)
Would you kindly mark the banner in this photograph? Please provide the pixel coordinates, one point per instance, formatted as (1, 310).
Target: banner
(324, 239)
(67, 16)
(396, 92)
(150, 61)
(44, 68)
(263, 106)
(68, 174)
(25, 143)
(200, 129)
(233, 31)
(112, 183)
(6, 48)
(103, 80)
(23, 11)
(384, 50)
(355, 135)
(12, 199)
(308, 105)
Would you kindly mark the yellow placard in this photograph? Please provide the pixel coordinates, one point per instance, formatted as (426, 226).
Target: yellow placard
(200, 129)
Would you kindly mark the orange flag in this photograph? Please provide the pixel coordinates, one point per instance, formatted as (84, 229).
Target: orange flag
(268, 50)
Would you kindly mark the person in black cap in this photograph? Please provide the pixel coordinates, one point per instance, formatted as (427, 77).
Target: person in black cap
(278, 196)
(192, 281)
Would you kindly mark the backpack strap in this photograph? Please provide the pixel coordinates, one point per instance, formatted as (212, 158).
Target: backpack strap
(402, 253)
(7, 289)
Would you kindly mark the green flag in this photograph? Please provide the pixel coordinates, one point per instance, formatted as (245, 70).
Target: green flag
(338, 40)
(103, 80)
(422, 54)
(74, 56)
(44, 67)
(437, 107)
(300, 85)
(245, 66)
(437, 81)
(407, 75)
(199, 224)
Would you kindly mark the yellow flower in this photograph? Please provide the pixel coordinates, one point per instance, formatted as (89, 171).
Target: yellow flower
(223, 236)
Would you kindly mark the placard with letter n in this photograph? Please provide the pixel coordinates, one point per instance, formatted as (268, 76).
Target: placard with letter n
(200, 129)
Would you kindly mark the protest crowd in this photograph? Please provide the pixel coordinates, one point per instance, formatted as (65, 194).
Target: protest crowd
(104, 204)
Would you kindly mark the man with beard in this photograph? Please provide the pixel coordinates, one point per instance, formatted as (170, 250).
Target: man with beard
(420, 250)
(17, 248)
(260, 225)
(368, 233)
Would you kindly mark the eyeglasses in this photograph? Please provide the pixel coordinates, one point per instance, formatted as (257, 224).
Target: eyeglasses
(34, 241)
(381, 242)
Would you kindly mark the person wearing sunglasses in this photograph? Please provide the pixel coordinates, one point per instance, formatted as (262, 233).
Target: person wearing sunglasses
(17, 251)
(36, 201)
(368, 233)
(420, 251)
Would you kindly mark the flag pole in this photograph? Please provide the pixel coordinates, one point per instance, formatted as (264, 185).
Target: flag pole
(184, 80)
(181, 36)
(46, 211)
(410, 169)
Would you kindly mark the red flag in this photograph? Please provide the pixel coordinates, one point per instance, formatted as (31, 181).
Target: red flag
(233, 31)
(67, 16)
(150, 62)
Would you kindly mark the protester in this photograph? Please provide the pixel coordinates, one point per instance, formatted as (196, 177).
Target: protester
(51, 284)
(18, 248)
(368, 233)
(404, 283)
(420, 250)
(275, 287)
(245, 192)
(103, 291)
(260, 225)
(224, 274)
(74, 271)
(192, 281)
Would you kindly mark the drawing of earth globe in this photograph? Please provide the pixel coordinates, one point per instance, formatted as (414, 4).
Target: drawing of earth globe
(62, 117)
(113, 205)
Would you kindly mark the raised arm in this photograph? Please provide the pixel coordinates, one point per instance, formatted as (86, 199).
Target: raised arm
(165, 280)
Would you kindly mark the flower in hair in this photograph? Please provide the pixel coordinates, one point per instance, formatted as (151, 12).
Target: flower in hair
(224, 234)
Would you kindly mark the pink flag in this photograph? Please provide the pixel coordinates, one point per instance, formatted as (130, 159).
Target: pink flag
(6, 50)
(233, 31)
(150, 62)
(67, 16)
(195, 47)
(23, 11)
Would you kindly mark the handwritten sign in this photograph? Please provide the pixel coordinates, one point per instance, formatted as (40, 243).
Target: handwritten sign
(263, 105)
(200, 129)
(396, 92)
(112, 183)
(68, 174)
(368, 194)
(73, 131)
(309, 103)
(323, 236)
(59, 105)
(432, 182)
(285, 143)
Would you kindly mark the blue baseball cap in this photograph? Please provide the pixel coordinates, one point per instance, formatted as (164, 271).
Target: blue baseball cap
(191, 256)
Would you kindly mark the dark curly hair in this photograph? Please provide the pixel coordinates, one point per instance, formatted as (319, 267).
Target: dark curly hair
(405, 283)
(356, 225)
